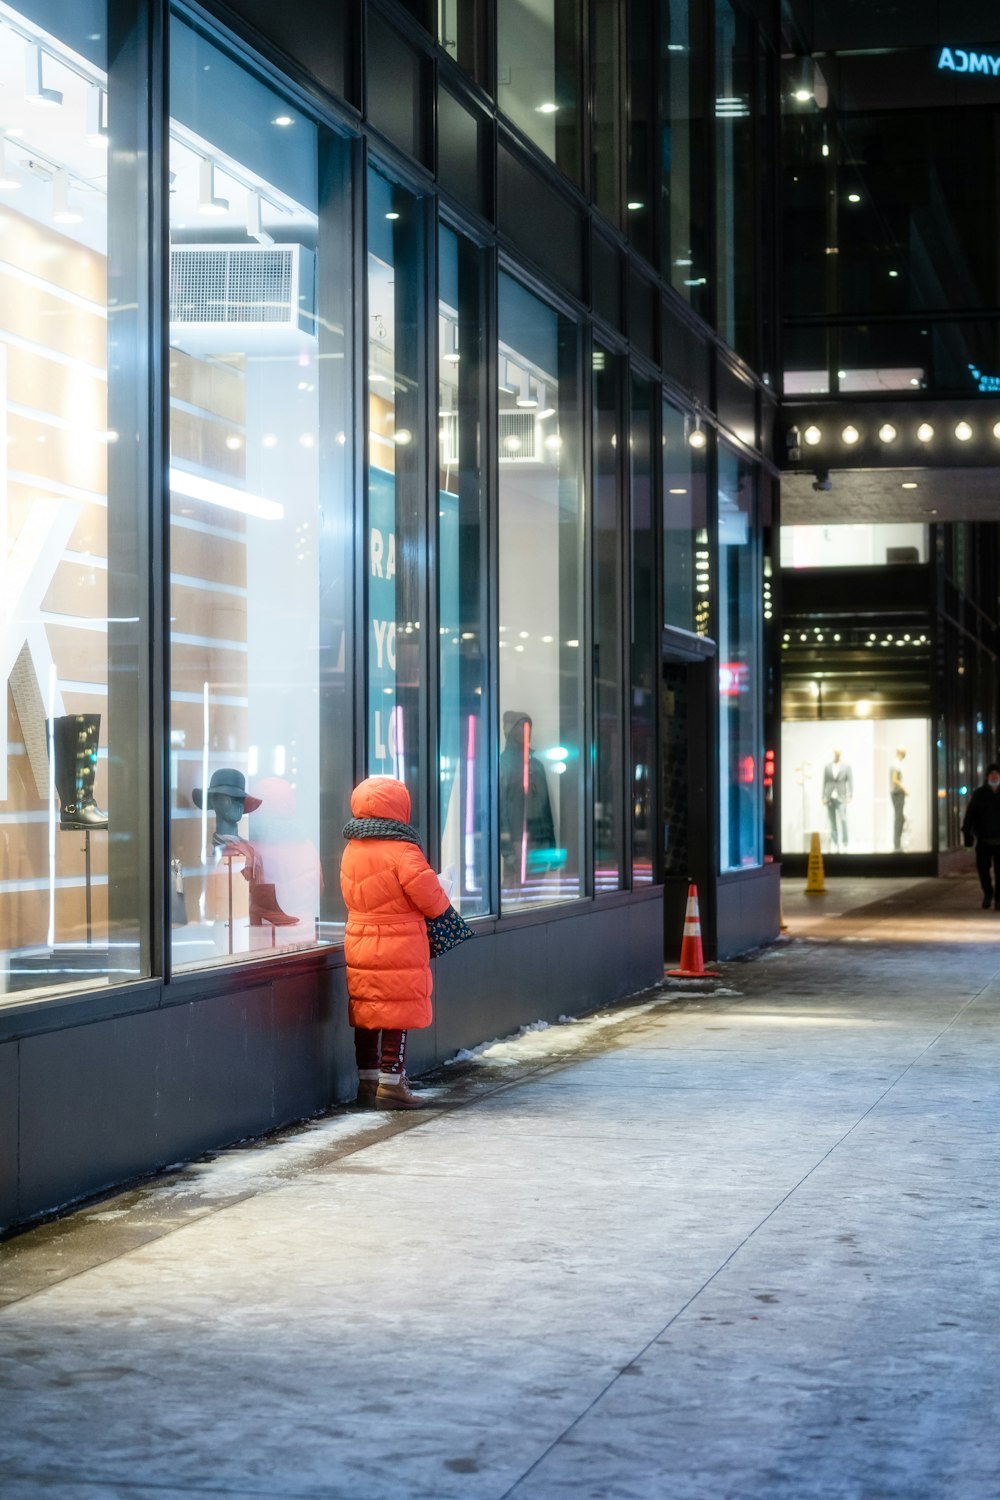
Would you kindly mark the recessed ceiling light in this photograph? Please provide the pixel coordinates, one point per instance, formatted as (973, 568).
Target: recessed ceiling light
(802, 95)
(812, 436)
(854, 197)
(887, 433)
(850, 435)
(678, 492)
(963, 432)
(634, 205)
(282, 120)
(548, 108)
(909, 484)
(925, 432)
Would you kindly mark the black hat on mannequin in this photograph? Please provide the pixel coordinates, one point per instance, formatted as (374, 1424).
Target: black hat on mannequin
(230, 783)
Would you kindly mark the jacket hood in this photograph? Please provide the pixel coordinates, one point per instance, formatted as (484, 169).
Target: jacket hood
(381, 797)
(514, 725)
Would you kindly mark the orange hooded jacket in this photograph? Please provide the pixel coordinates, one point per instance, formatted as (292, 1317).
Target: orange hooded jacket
(389, 889)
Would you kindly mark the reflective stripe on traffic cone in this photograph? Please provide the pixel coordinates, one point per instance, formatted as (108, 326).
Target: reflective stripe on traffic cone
(692, 964)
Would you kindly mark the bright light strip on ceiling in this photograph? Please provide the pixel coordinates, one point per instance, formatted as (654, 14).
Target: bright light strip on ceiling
(194, 487)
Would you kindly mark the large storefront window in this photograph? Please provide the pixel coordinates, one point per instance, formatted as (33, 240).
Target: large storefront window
(538, 83)
(687, 563)
(740, 748)
(863, 545)
(643, 695)
(396, 485)
(541, 603)
(462, 740)
(863, 784)
(249, 350)
(73, 766)
(609, 758)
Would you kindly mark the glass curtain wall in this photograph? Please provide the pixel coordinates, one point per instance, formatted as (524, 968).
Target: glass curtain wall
(462, 739)
(606, 111)
(687, 557)
(74, 770)
(396, 485)
(541, 604)
(735, 177)
(538, 75)
(248, 346)
(644, 655)
(740, 736)
(683, 151)
(609, 758)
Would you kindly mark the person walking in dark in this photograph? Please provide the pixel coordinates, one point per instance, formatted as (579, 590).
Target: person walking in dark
(982, 824)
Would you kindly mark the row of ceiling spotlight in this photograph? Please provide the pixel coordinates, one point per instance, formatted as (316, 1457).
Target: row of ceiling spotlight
(887, 433)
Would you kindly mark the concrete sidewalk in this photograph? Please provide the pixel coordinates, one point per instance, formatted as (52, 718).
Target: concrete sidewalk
(735, 1241)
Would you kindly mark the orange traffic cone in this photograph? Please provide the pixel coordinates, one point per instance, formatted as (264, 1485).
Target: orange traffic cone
(692, 958)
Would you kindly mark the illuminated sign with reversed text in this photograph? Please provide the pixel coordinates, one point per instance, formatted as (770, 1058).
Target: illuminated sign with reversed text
(955, 60)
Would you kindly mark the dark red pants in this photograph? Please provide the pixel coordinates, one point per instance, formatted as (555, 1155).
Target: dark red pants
(385, 1050)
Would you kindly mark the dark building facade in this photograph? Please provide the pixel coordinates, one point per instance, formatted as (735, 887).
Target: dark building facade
(888, 551)
(387, 389)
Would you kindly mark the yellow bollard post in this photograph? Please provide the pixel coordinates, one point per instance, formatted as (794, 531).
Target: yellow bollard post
(815, 882)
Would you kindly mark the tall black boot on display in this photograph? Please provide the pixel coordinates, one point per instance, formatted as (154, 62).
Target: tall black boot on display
(73, 738)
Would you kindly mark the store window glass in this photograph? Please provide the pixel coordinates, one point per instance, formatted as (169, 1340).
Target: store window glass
(609, 757)
(538, 83)
(740, 743)
(862, 545)
(642, 695)
(687, 557)
(541, 646)
(863, 783)
(72, 627)
(395, 485)
(463, 743)
(249, 350)
(735, 175)
(459, 33)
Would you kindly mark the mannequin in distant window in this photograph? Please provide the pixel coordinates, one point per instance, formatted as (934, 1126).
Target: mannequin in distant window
(838, 791)
(898, 792)
(526, 823)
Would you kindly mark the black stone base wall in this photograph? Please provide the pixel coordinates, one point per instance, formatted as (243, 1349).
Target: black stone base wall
(103, 1090)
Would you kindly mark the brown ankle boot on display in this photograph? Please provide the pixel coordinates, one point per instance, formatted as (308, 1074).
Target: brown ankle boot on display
(397, 1096)
(264, 907)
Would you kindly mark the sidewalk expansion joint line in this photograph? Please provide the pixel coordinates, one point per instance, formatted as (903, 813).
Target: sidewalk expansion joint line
(571, 1427)
(143, 1486)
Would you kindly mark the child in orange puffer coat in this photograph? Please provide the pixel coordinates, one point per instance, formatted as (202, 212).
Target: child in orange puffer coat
(390, 890)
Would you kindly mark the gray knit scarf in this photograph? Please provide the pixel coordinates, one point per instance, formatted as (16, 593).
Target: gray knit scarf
(381, 828)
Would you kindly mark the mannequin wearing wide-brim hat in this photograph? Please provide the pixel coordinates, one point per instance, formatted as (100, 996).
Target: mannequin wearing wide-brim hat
(227, 796)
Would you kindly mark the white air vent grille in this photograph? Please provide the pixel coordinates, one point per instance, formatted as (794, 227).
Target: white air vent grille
(517, 436)
(241, 285)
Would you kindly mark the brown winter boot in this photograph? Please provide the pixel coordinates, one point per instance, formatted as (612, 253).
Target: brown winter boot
(367, 1089)
(397, 1095)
